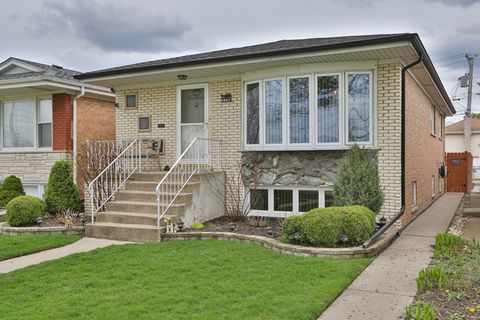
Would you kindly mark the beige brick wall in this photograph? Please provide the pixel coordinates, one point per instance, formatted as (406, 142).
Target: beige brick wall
(389, 135)
(424, 152)
(30, 167)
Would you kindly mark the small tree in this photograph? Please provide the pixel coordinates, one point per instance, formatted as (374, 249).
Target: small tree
(357, 181)
(11, 188)
(61, 193)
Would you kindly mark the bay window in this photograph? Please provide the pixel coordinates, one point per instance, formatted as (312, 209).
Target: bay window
(318, 111)
(26, 124)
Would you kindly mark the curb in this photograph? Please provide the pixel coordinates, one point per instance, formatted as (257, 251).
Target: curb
(290, 249)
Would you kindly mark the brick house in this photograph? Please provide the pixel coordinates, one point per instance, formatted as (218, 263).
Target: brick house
(290, 109)
(44, 115)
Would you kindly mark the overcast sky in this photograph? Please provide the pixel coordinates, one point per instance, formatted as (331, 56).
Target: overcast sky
(94, 34)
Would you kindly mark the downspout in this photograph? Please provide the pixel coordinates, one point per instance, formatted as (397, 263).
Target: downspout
(400, 213)
(82, 93)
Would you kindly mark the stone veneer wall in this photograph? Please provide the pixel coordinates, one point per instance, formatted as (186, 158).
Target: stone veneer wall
(30, 167)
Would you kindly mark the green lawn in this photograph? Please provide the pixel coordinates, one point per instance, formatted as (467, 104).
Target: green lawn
(208, 279)
(14, 246)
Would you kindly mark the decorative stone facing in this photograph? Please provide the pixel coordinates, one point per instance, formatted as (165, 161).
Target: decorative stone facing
(309, 168)
(335, 253)
(30, 167)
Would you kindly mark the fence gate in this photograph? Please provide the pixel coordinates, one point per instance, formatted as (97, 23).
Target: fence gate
(459, 172)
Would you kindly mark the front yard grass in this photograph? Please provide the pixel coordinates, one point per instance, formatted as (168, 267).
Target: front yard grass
(14, 246)
(208, 279)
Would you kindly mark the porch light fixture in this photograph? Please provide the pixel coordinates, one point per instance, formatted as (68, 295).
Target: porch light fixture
(180, 225)
(182, 77)
(227, 97)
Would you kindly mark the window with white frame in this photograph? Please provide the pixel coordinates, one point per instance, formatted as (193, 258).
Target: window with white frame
(285, 201)
(26, 123)
(440, 184)
(319, 111)
(440, 129)
(432, 120)
(414, 194)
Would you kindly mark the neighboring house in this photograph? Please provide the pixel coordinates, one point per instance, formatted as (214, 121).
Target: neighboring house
(291, 108)
(44, 115)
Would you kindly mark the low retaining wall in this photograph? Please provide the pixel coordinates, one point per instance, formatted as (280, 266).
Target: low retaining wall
(290, 249)
(5, 229)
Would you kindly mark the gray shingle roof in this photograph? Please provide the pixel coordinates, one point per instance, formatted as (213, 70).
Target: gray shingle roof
(265, 49)
(46, 70)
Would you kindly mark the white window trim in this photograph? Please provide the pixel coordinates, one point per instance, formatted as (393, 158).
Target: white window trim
(284, 113)
(432, 116)
(310, 110)
(282, 214)
(39, 123)
(414, 195)
(343, 143)
(370, 110)
(36, 101)
(341, 114)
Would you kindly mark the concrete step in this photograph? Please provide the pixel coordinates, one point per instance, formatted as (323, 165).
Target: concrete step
(150, 186)
(149, 196)
(471, 212)
(125, 232)
(142, 207)
(130, 218)
(156, 176)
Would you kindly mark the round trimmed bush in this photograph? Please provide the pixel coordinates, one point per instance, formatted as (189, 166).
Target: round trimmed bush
(325, 227)
(11, 188)
(61, 193)
(24, 210)
(357, 224)
(292, 230)
(322, 227)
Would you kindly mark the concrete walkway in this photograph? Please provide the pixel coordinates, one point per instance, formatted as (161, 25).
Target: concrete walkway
(82, 245)
(385, 287)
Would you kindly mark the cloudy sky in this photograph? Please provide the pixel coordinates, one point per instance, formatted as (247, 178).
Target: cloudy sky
(93, 34)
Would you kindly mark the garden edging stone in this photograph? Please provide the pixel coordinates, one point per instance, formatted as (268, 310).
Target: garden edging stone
(290, 249)
(5, 229)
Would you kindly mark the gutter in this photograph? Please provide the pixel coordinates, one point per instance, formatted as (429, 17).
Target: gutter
(400, 213)
(82, 93)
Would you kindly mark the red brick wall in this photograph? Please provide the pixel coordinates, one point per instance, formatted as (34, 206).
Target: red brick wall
(62, 116)
(424, 153)
(95, 120)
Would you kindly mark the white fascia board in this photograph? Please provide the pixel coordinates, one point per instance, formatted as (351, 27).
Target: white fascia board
(241, 61)
(51, 81)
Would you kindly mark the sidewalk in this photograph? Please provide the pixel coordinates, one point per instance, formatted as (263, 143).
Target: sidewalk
(82, 245)
(385, 287)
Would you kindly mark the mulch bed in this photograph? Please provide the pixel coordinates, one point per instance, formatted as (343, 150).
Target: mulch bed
(271, 227)
(58, 221)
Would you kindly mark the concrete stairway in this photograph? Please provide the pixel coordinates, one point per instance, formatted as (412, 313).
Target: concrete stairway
(132, 215)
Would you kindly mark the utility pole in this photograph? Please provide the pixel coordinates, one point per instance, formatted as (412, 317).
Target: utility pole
(467, 128)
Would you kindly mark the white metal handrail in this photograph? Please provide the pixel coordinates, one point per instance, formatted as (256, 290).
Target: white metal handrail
(200, 153)
(114, 176)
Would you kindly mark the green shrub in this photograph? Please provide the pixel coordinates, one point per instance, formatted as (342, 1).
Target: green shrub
(448, 245)
(322, 227)
(198, 226)
(11, 188)
(325, 227)
(24, 210)
(61, 193)
(292, 230)
(357, 181)
(357, 224)
(432, 278)
(420, 311)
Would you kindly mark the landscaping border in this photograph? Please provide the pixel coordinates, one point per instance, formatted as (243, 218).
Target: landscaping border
(5, 229)
(336, 253)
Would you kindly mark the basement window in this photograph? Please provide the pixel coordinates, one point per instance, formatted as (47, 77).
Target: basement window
(131, 101)
(144, 123)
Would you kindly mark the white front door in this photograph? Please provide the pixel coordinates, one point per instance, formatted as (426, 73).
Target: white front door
(192, 115)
